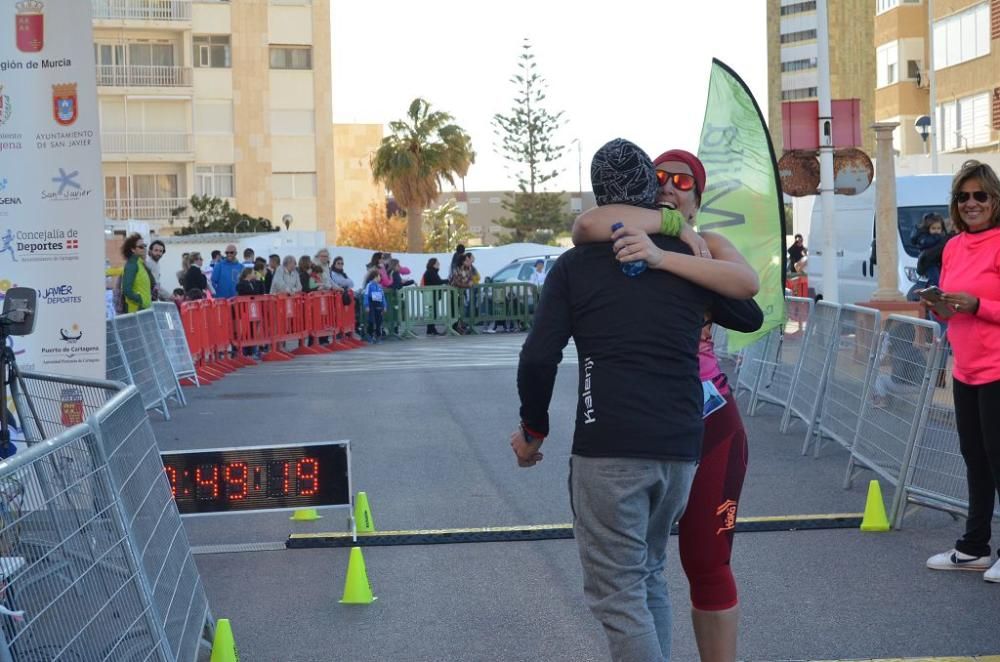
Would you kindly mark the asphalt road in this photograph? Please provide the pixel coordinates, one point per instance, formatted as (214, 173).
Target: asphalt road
(428, 422)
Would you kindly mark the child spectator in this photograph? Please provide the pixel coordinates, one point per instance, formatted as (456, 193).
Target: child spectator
(316, 278)
(906, 368)
(930, 238)
(374, 301)
(396, 277)
(244, 286)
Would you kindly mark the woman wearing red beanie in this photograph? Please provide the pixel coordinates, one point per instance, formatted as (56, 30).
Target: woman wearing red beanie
(707, 526)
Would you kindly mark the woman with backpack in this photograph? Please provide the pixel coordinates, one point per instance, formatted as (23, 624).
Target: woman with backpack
(137, 282)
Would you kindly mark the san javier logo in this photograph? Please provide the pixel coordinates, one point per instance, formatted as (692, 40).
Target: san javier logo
(66, 189)
(65, 107)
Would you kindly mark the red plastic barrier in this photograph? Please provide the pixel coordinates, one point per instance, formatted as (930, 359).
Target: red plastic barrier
(346, 318)
(249, 329)
(195, 323)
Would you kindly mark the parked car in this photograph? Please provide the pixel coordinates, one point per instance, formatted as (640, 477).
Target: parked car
(519, 270)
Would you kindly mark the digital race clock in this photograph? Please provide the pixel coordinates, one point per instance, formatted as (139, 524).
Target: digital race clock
(222, 480)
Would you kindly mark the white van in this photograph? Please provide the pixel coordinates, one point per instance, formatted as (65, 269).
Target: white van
(916, 195)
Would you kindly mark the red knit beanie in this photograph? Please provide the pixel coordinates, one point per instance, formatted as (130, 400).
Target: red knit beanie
(689, 159)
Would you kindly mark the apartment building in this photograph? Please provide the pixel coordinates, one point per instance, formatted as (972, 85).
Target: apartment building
(230, 99)
(483, 208)
(793, 73)
(965, 118)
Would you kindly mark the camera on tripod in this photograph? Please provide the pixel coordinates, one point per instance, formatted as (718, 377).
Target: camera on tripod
(18, 317)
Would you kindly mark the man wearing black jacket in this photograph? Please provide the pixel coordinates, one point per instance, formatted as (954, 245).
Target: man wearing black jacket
(639, 410)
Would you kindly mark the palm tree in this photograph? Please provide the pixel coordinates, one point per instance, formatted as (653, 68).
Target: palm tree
(423, 149)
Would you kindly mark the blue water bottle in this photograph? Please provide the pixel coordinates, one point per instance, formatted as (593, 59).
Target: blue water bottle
(630, 269)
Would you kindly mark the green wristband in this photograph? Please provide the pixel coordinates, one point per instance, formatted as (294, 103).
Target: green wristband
(671, 223)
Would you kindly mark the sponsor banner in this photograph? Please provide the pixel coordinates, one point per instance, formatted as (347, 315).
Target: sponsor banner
(51, 193)
(742, 198)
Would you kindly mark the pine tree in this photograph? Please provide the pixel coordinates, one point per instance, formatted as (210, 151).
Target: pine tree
(528, 142)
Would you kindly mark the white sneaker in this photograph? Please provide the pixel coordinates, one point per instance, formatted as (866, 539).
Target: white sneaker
(956, 560)
(993, 574)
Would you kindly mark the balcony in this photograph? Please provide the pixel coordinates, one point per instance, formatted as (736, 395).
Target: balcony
(142, 209)
(119, 75)
(148, 143)
(142, 10)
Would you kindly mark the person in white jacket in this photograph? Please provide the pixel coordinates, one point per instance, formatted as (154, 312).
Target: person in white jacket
(286, 278)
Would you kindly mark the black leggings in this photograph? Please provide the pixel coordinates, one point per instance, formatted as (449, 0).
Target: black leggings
(977, 416)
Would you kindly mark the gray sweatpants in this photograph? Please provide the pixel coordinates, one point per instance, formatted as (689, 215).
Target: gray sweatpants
(623, 509)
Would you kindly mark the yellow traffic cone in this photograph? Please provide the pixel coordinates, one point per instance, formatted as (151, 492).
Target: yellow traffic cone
(305, 515)
(224, 647)
(875, 519)
(363, 514)
(357, 590)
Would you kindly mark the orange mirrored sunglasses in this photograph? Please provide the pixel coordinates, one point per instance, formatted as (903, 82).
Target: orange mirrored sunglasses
(681, 181)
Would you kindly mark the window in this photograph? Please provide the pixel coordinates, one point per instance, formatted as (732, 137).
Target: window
(802, 35)
(964, 122)
(212, 51)
(887, 64)
(800, 93)
(886, 5)
(154, 187)
(214, 180)
(286, 185)
(151, 54)
(799, 65)
(962, 36)
(798, 8)
(913, 69)
(291, 57)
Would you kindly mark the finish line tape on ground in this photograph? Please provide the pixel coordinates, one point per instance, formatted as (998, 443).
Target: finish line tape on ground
(547, 532)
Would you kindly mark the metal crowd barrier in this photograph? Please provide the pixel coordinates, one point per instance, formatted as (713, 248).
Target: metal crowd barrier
(95, 563)
(936, 473)
(806, 391)
(424, 306)
(774, 383)
(893, 404)
(168, 321)
(126, 339)
(752, 359)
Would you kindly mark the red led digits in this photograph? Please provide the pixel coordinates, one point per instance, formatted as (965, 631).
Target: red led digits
(236, 480)
(172, 478)
(307, 476)
(206, 481)
(277, 479)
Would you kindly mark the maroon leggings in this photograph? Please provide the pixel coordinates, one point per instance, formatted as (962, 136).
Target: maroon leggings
(706, 529)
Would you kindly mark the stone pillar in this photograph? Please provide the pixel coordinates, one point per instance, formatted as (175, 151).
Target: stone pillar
(886, 227)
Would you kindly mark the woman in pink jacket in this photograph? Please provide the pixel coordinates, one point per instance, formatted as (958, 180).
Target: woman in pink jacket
(970, 280)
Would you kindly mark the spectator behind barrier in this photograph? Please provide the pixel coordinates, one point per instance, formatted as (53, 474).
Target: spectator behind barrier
(395, 276)
(195, 277)
(338, 277)
(137, 282)
(245, 287)
(432, 278)
(305, 269)
(970, 279)
(286, 279)
(226, 274)
(273, 264)
(248, 257)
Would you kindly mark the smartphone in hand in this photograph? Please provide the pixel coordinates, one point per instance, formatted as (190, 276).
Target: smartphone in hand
(930, 294)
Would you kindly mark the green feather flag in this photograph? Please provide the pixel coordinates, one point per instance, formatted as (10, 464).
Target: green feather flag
(742, 200)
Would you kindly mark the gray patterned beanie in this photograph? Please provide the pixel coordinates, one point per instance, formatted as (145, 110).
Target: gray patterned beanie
(624, 174)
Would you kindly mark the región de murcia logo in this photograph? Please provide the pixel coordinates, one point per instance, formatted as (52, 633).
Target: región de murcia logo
(30, 26)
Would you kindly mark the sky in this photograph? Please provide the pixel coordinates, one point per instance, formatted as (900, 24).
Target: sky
(635, 69)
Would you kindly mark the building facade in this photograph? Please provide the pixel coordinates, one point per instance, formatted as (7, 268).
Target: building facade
(965, 118)
(353, 147)
(483, 208)
(228, 99)
(792, 58)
